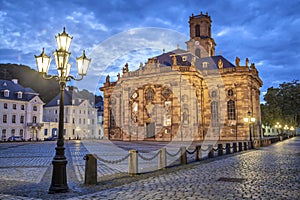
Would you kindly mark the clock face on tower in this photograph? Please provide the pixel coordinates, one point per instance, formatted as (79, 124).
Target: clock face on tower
(197, 43)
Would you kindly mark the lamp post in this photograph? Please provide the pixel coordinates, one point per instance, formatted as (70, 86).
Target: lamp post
(286, 131)
(278, 126)
(61, 56)
(292, 130)
(249, 119)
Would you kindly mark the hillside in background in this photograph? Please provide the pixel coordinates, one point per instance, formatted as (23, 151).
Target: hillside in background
(28, 77)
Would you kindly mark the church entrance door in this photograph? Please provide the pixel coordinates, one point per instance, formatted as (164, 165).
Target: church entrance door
(150, 128)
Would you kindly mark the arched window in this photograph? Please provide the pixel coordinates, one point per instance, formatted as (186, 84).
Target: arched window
(150, 94)
(112, 122)
(214, 113)
(197, 30)
(198, 52)
(34, 119)
(231, 110)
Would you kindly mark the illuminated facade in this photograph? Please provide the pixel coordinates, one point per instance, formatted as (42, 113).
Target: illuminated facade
(184, 95)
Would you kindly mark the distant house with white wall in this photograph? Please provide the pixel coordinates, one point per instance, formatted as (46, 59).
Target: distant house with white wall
(80, 117)
(21, 111)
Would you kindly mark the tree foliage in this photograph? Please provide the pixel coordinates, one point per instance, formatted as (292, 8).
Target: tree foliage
(282, 105)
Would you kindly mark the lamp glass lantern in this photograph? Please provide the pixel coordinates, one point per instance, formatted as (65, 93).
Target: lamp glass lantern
(83, 64)
(43, 62)
(63, 40)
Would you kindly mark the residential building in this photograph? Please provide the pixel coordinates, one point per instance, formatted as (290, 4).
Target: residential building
(80, 116)
(21, 111)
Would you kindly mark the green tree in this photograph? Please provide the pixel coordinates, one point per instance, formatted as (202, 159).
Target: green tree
(282, 105)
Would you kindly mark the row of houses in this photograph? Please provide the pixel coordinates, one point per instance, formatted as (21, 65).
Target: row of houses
(24, 114)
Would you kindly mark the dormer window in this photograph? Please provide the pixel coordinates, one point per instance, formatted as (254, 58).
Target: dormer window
(6, 93)
(19, 95)
(204, 64)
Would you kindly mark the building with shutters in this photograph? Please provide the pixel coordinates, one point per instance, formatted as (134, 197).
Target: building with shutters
(21, 111)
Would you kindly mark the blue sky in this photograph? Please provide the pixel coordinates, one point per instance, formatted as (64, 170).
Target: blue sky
(265, 31)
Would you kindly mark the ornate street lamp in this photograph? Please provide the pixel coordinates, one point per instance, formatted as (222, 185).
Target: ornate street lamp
(249, 119)
(292, 130)
(278, 126)
(61, 56)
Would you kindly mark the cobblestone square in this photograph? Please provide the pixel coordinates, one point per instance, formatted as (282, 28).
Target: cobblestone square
(264, 173)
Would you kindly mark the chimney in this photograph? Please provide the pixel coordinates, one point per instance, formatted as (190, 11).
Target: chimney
(15, 81)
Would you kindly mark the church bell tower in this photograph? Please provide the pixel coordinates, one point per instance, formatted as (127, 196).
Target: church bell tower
(201, 43)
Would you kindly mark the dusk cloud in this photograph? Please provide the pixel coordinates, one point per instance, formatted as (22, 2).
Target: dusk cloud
(267, 32)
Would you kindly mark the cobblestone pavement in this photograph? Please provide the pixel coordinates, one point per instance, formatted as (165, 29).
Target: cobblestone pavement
(265, 173)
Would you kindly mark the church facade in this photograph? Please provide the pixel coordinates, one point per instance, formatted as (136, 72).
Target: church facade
(185, 95)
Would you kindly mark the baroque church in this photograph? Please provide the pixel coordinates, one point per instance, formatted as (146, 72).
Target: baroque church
(185, 95)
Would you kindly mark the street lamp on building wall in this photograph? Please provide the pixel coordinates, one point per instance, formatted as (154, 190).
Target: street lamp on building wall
(61, 56)
(249, 119)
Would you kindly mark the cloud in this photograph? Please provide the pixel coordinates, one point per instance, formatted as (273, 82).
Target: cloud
(264, 31)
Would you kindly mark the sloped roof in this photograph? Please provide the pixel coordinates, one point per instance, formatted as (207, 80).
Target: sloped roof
(69, 95)
(14, 88)
(166, 59)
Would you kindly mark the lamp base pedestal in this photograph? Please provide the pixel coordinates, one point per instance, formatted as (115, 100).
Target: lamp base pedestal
(59, 177)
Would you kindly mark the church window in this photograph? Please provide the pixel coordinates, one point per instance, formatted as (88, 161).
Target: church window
(166, 93)
(213, 94)
(231, 110)
(167, 114)
(134, 112)
(198, 53)
(230, 93)
(112, 122)
(197, 30)
(185, 116)
(214, 113)
(204, 64)
(150, 94)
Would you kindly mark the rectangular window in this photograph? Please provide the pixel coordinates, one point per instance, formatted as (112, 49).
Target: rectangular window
(13, 119)
(14, 106)
(214, 113)
(21, 133)
(13, 131)
(4, 134)
(4, 118)
(19, 95)
(45, 132)
(22, 107)
(22, 119)
(34, 108)
(231, 110)
(5, 106)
